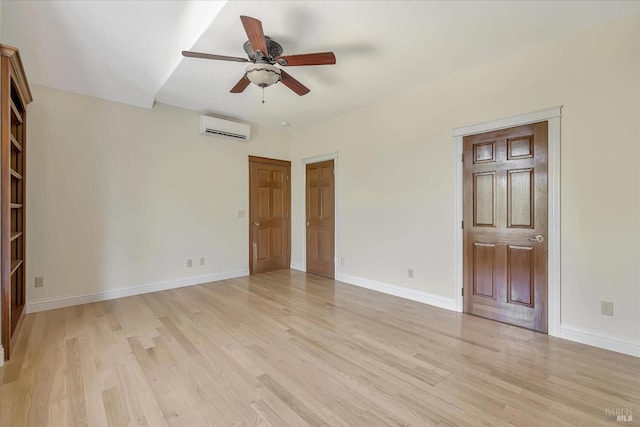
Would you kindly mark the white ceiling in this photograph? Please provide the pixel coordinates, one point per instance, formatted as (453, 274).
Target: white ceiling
(129, 51)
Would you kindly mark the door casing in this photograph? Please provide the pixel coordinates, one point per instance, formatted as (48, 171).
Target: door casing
(303, 198)
(552, 116)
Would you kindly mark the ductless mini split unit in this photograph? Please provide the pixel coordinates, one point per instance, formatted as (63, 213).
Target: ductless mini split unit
(224, 128)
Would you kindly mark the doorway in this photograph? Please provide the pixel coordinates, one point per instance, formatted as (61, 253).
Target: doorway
(269, 214)
(505, 225)
(552, 116)
(320, 218)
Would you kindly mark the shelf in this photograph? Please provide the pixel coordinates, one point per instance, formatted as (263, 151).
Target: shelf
(15, 235)
(16, 144)
(16, 111)
(15, 174)
(15, 264)
(15, 205)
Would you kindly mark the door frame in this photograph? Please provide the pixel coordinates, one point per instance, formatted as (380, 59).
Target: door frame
(278, 162)
(552, 116)
(303, 221)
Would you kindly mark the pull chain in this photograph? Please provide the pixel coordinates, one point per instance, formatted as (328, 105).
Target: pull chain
(263, 95)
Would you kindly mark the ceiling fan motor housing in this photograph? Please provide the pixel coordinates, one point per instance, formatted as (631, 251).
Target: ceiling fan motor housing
(274, 50)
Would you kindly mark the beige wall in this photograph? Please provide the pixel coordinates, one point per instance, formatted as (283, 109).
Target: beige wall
(120, 196)
(396, 171)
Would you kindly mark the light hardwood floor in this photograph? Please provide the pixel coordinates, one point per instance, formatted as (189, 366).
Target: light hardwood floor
(288, 349)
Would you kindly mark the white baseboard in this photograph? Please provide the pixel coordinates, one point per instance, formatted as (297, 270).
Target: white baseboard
(1, 355)
(598, 339)
(68, 301)
(399, 291)
(297, 266)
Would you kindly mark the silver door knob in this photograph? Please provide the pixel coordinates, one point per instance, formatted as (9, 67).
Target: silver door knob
(538, 238)
(257, 224)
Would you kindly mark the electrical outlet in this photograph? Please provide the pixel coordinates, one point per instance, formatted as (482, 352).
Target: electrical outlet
(201, 261)
(606, 308)
(410, 273)
(39, 282)
(189, 263)
(342, 262)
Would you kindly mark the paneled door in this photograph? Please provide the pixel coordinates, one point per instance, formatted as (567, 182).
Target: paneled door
(269, 221)
(320, 189)
(505, 225)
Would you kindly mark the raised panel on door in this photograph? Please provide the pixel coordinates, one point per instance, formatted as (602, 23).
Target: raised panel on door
(263, 241)
(484, 199)
(520, 198)
(484, 152)
(520, 275)
(505, 225)
(320, 218)
(269, 207)
(484, 269)
(520, 147)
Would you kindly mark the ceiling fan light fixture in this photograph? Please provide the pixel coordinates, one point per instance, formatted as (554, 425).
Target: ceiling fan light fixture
(263, 75)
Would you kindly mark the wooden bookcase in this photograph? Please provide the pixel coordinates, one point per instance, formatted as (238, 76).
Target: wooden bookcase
(14, 97)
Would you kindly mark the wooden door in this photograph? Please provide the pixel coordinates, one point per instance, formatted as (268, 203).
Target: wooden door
(320, 198)
(269, 207)
(505, 225)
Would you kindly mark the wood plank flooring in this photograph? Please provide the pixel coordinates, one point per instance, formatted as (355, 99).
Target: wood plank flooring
(289, 349)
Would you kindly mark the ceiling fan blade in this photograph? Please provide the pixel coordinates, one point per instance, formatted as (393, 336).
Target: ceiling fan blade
(321, 58)
(211, 56)
(293, 84)
(241, 85)
(253, 28)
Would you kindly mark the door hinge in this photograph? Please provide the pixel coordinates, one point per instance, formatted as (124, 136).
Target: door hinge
(462, 157)
(462, 224)
(462, 291)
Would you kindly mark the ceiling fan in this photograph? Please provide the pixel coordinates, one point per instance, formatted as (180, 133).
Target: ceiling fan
(264, 53)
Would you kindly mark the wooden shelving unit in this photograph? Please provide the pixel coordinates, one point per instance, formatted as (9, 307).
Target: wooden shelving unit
(14, 97)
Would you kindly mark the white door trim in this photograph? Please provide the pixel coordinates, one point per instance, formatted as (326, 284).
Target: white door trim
(305, 162)
(552, 116)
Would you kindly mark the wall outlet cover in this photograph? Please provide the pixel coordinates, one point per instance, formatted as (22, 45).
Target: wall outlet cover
(606, 308)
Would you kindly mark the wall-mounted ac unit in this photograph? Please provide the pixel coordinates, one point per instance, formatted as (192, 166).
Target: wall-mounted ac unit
(224, 128)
